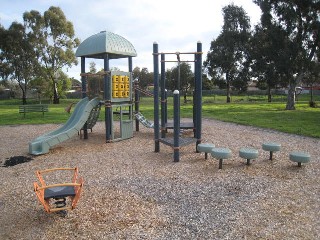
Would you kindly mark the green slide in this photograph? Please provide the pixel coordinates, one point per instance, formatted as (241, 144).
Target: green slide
(43, 143)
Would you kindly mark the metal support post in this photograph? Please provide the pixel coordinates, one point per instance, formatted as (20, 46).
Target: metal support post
(107, 97)
(163, 96)
(176, 125)
(156, 96)
(84, 92)
(199, 93)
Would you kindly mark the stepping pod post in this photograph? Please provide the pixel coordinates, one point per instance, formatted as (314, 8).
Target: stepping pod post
(221, 153)
(299, 157)
(271, 147)
(248, 153)
(206, 148)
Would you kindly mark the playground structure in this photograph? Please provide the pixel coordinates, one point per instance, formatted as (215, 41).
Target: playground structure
(176, 142)
(118, 98)
(57, 197)
(118, 87)
(117, 95)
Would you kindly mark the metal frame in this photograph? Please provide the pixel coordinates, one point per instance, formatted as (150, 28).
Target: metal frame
(197, 98)
(109, 100)
(106, 51)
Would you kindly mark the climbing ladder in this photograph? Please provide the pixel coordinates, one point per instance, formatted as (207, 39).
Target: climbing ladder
(92, 119)
(94, 115)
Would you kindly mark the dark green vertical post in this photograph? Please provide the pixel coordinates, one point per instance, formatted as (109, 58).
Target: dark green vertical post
(84, 92)
(166, 107)
(136, 102)
(194, 111)
(198, 93)
(130, 89)
(156, 96)
(83, 78)
(130, 63)
(107, 97)
(163, 96)
(176, 125)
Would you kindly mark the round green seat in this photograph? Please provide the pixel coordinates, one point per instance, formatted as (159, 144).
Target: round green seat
(206, 148)
(221, 153)
(248, 153)
(271, 147)
(299, 157)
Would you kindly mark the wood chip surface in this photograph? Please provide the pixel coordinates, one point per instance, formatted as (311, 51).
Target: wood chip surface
(131, 192)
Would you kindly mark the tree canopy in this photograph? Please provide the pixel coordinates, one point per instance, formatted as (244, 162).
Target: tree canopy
(143, 76)
(18, 56)
(227, 59)
(54, 40)
(38, 49)
(297, 24)
(282, 51)
(181, 78)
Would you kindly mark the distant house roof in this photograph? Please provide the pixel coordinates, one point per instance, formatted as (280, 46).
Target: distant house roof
(106, 42)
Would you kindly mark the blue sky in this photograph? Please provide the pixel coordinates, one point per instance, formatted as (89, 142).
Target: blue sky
(176, 25)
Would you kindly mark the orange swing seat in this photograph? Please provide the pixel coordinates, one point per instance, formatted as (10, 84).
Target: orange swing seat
(57, 197)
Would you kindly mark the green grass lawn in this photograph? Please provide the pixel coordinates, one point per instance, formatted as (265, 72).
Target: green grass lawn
(303, 121)
(9, 112)
(243, 110)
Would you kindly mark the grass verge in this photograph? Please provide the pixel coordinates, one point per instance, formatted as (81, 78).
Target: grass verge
(302, 121)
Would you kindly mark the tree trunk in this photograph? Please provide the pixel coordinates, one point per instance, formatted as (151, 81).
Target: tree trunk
(228, 93)
(185, 96)
(228, 88)
(291, 96)
(55, 93)
(269, 94)
(24, 93)
(24, 98)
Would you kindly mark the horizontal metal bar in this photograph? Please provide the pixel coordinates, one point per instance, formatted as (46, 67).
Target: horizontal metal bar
(177, 53)
(177, 61)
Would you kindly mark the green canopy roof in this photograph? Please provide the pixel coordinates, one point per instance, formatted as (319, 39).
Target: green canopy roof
(106, 42)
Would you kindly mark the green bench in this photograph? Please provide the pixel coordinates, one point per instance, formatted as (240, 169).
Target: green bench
(33, 108)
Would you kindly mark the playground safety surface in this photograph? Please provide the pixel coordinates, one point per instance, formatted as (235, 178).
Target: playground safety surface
(131, 192)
